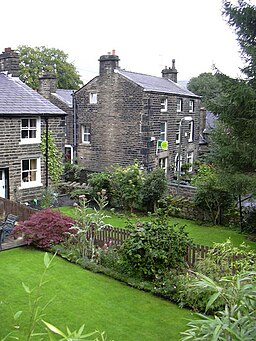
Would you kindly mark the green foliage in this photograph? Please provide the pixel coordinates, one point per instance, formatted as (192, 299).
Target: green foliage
(242, 18)
(155, 248)
(171, 205)
(211, 196)
(35, 311)
(126, 186)
(49, 198)
(99, 181)
(154, 188)
(224, 259)
(55, 164)
(36, 61)
(80, 245)
(72, 172)
(237, 321)
(206, 85)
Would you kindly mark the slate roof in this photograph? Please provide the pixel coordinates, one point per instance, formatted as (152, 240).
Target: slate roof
(16, 98)
(156, 84)
(64, 96)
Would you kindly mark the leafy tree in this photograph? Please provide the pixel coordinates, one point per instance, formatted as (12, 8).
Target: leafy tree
(211, 195)
(206, 85)
(154, 188)
(35, 61)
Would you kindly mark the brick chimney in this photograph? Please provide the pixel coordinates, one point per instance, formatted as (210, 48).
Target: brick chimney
(9, 61)
(47, 85)
(170, 73)
(108, 63)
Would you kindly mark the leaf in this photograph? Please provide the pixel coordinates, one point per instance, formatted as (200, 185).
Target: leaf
(54, 329)
(26, 288)
(17, 315)
(212, 299)
(46, 260)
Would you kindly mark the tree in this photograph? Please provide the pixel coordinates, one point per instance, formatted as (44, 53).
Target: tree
(206, 85)
(233, 149)
(34, 62)
(242, 19)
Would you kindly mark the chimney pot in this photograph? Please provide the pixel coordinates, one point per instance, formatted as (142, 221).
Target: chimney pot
(113, 52)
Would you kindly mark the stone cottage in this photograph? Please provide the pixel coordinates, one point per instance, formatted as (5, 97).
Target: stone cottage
(24, 115)
(124, 116)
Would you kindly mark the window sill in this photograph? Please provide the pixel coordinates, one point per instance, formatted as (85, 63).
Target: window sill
(31, 184)
(29, 141)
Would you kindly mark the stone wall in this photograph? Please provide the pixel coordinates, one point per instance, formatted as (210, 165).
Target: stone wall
(12, 153)
(125, 124)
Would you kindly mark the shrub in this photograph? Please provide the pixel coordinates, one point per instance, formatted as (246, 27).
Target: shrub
(237, 319)
(44, 228)
(99, 181)
(155, 248)
(154, 187)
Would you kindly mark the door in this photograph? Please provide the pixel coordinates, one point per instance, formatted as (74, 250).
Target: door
(2, 184)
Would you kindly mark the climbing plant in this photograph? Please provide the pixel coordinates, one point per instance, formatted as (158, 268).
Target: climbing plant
(55, 165)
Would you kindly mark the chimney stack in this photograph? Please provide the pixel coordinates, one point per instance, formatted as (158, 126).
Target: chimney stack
(108, 63)
(47, 85)
(9, 61)
(170, 73)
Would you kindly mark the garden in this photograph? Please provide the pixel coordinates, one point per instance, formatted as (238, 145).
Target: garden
(136, 287)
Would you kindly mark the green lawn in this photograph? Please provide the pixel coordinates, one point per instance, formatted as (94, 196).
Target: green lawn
(81, 296)
(201, 234)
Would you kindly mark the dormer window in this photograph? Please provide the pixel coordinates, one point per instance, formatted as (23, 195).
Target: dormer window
(93, 98)
(163, 104)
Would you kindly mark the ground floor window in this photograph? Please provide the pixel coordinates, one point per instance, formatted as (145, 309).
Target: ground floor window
(162, 163)
(30, 172)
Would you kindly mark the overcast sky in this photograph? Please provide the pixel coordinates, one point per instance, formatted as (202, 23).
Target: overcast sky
(146, 34)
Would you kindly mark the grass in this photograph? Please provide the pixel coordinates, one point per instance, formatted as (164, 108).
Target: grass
(200, 234)
(82, 297)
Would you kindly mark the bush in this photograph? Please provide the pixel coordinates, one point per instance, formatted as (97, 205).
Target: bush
(155, 248)
(154, 188)
(99, 181)
(44, 228)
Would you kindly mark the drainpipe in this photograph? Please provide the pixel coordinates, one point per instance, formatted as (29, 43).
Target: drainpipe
(46, 152)
(74, 129)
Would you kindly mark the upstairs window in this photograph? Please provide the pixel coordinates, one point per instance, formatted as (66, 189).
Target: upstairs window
(177, 133)
(30, 130)
(178, 163)
(93, 98)
(191, 105)
(191, 131)
(179, 104)
(163, 104)
(86, 134)
(163, 131)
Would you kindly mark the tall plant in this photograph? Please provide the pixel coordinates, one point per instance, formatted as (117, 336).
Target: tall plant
(55, 164)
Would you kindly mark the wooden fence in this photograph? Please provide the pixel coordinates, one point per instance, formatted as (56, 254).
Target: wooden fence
(7, 206)
(117, 236)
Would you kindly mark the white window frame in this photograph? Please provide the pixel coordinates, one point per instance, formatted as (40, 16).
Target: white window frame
(177, 133)
(179, 104)
(163, 163)
(37, 129)
(164, 104)
(163, 131)
(190, 160)
(84, 133)
(191, 105)
(93, 98)
(176, 165)
(191, 131)
(31, 183)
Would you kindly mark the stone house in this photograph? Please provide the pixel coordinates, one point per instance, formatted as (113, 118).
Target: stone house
(24, 115)
(124, 116)
(63, 99)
